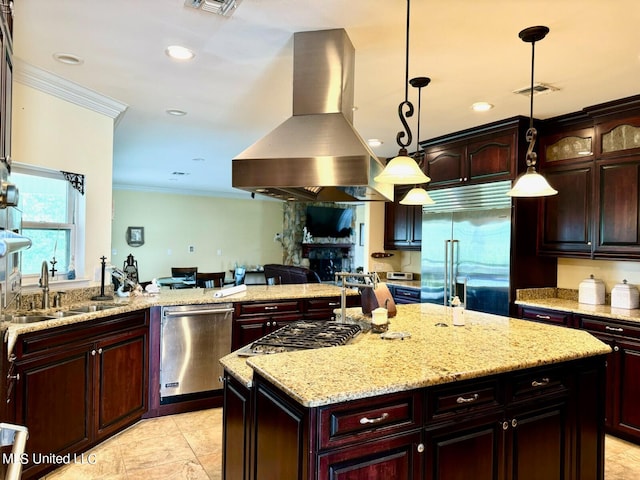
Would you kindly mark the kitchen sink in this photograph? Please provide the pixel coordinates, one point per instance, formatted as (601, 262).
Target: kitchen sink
(30, 318)
(93, 308)
(62, 314)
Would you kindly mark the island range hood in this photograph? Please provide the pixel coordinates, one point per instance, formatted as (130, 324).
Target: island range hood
(315, 155)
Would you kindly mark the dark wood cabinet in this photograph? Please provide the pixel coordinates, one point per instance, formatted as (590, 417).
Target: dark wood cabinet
(484, 154)
(404, 295)
(236, 429)
(76, 385)
(322, 308)
(592, 158)
(403, 224)
(518, 425)
(623, 373)
(618, 208)
(252, 320)
(552, 317)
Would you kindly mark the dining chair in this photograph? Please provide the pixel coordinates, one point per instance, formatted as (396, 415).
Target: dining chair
(186, 273)
(210, 280)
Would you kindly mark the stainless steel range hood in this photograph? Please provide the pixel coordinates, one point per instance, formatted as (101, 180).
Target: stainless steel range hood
(315, 155)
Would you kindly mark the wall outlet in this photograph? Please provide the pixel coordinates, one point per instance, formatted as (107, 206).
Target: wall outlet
(169, 252)
(192, 249)
(219, 252)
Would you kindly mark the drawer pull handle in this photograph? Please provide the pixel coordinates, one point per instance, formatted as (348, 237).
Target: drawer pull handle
(540, 383)
(614, 329)
(334, 304)
(473, 398)
(14, 377)
(543, 317)
(365, 420)
(271, 308)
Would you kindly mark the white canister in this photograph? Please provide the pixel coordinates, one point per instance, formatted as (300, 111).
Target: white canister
(624, 295)
(591, 291)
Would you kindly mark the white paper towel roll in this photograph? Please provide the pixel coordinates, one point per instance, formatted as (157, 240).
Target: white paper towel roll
(230, 291)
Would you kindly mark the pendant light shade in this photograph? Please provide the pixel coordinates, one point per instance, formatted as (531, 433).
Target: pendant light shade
(417, 196)
(402, 170)
(531, 183)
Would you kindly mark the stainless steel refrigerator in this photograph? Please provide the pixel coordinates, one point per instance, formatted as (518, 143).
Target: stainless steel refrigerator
(466, 247)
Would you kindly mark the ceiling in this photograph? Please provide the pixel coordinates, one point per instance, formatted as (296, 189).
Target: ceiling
(239, 85)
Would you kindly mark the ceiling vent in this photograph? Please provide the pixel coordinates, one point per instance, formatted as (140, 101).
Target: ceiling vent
(221, 7)
(538, 89)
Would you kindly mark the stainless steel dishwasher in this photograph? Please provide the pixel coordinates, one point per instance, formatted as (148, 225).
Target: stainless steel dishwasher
(192, 340)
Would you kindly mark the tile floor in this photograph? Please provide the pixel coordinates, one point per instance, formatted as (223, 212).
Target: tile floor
(189, 446)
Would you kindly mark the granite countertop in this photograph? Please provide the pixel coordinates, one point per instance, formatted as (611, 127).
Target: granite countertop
(565, 300)
(404, 283)
(486, 345)
(168, 297)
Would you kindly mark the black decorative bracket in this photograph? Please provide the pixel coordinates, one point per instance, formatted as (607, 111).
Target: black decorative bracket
(75, 179)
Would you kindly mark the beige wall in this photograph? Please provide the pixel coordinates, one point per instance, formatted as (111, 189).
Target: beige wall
(222, 231)
(572, 271)
(55, 134)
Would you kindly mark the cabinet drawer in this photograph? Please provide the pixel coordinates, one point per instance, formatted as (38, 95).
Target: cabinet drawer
(546, 316)
(609, 327)
(371, 418)
(534, 384)
(314, 304)
(268, 308)
(406, 295)
(454, 400)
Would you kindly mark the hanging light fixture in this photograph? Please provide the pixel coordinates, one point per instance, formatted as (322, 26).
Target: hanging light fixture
(403, 170)
(418, 195)
(531, 183)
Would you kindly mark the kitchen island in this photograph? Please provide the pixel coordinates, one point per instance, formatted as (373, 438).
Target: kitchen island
(496, 398)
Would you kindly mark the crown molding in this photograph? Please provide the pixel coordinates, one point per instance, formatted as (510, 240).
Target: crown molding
(56, 86)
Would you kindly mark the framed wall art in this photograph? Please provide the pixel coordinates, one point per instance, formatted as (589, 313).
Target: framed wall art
(135, 236)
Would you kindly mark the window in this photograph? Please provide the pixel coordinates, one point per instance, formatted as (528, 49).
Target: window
(51, 210)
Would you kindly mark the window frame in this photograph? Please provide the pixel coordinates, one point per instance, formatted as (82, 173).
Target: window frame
(75, 213)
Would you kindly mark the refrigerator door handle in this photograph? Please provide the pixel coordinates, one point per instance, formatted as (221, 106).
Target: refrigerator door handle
(453, 272)
(446, 272)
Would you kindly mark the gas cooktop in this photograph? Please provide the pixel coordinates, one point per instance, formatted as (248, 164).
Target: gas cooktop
(302, 335)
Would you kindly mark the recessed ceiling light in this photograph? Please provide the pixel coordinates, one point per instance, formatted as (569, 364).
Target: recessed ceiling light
(374, 142)
(179, 53)
(68, 58)
(481, 107)
(176, 112)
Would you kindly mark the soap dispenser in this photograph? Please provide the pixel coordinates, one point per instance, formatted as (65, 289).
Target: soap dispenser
(458, 311)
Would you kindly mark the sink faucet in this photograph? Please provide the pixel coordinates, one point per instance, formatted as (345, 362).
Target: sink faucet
(44, 283)
(341, 278)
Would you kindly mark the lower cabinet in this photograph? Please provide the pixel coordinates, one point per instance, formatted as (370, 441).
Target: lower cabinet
(523, 426)
(75, 386)
(622, 417)
(404, 295)
(236, 429)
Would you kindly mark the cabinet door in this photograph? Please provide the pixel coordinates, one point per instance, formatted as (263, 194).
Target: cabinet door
(121, 389)
(395, 458)
(618, 208)
(538, 444)
(626, 411)
(492, 158)
(470, 450)
(445, 165)
(53, 400)
(565, 225)
(403, 224)
(248, 331)
(236, 427)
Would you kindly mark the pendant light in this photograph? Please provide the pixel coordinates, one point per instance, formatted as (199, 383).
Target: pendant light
(531, 183)
(418, 195)
(403, 170)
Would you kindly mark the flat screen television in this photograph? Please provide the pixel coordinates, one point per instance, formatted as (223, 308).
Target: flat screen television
(329, 221)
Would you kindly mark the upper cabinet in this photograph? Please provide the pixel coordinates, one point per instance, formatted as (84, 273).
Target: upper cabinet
(484, 154)
(596, 169)
(403, 223)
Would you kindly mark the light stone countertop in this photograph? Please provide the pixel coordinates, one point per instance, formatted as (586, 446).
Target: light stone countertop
(486, 345)
(557, 299)
(168, 297)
